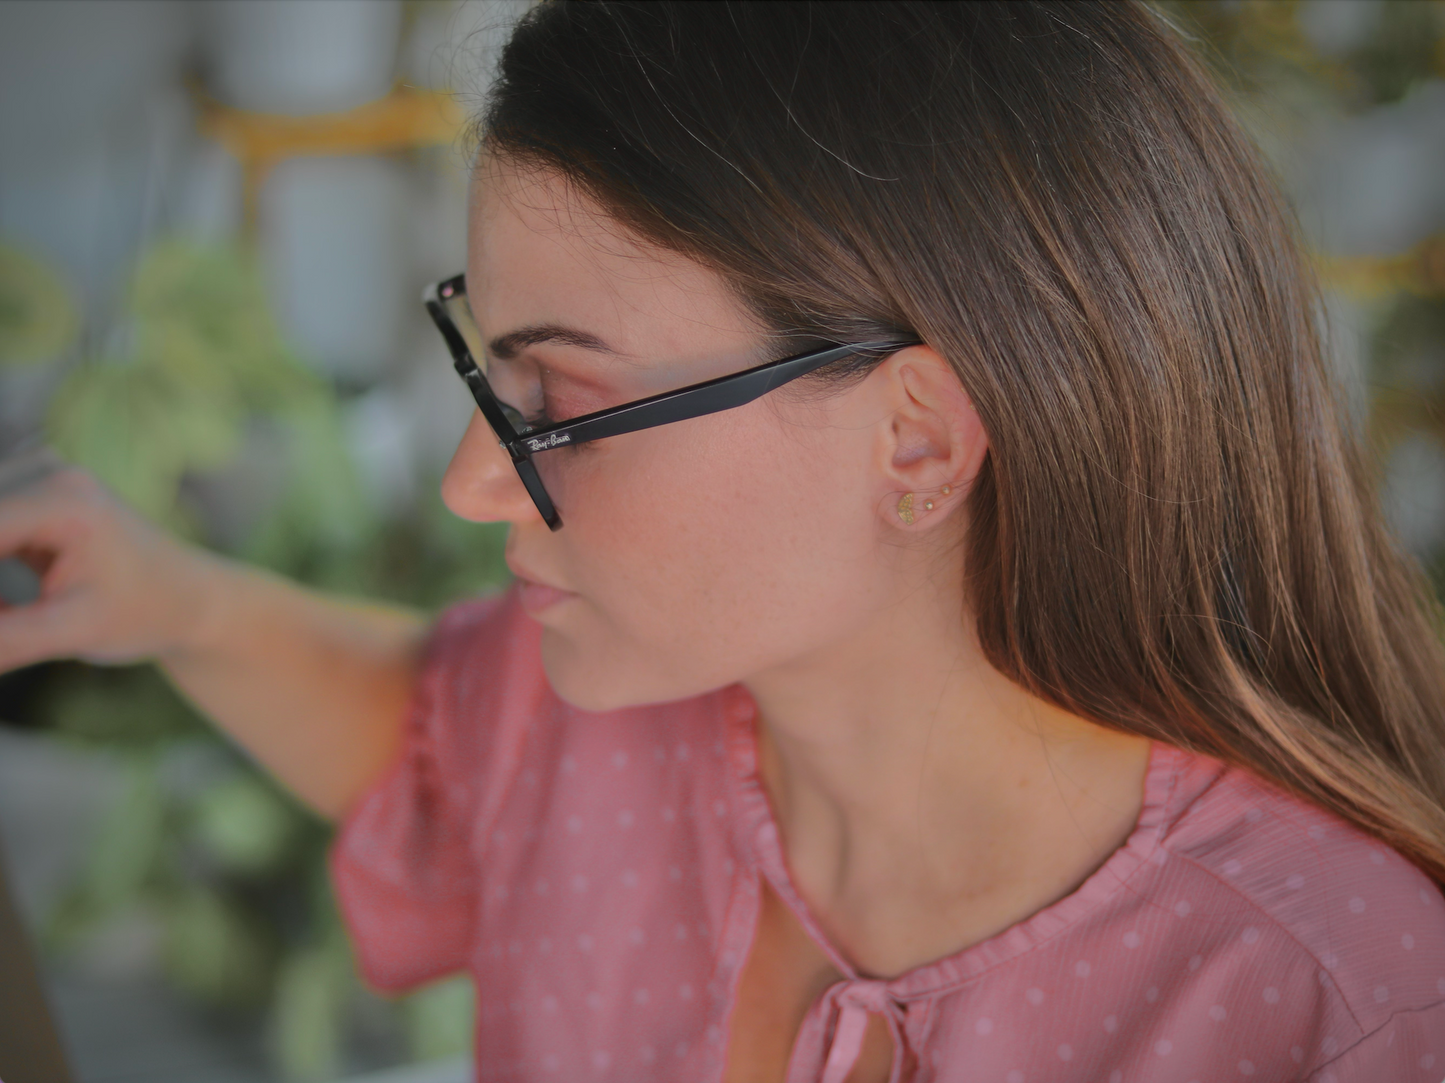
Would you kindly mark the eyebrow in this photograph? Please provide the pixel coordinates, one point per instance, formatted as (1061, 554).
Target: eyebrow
(505, 347)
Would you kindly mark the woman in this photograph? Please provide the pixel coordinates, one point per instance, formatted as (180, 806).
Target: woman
(1025, 690)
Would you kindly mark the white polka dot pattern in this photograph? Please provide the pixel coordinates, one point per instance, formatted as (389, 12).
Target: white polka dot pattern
(597, 874)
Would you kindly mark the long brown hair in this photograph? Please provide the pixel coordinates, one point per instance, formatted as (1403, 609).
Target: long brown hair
(1174, 534)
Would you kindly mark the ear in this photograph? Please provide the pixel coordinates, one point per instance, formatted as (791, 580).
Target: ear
(933, 444)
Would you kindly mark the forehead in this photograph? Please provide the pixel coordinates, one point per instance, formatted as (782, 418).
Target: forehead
(540, 252)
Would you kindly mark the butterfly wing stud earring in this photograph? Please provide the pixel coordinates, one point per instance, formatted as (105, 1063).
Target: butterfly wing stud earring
(905, 506)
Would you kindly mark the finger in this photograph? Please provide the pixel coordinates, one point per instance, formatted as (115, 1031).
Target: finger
(33, 520)
(39, 632)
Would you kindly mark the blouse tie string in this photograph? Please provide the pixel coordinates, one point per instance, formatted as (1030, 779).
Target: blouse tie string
(843, 1014)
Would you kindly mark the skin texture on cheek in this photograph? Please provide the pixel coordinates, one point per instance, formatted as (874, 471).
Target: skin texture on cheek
(703, 553)
(698, 552)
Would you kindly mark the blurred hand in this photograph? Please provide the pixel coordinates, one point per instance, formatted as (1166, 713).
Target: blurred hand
(113, 587)
(315, 687)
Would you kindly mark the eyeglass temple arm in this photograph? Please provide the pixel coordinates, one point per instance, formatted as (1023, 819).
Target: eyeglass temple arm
(713, 396)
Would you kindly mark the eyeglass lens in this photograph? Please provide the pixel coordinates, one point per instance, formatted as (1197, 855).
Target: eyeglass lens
(515, 393)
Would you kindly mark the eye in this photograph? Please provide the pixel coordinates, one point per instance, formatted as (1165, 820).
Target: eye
(524, 419)
(515, 418)
(537, 420)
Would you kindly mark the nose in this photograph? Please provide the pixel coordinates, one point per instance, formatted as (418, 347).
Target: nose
(481, 484)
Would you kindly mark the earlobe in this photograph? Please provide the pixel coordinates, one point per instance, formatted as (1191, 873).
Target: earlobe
(936, 441)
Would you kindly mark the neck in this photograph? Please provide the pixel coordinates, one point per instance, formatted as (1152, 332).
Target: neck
(927, 802)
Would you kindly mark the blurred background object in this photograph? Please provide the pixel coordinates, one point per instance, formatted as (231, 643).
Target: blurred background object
(1347, 98)
(216, 218)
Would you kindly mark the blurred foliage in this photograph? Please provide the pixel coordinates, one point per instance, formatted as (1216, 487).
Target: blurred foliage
(1284, 78)
(313, 985)
(203, 354)
(439, 1019)
(1262, 48)
(38, 320)
(227, 867)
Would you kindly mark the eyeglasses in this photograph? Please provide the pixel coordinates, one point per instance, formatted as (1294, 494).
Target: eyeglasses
(446, 304)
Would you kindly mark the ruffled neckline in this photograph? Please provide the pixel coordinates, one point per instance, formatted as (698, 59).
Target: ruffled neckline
(1173, 780)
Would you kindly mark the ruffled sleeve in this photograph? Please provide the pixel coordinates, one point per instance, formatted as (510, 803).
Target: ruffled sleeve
(1410, 1045)
(406, 863)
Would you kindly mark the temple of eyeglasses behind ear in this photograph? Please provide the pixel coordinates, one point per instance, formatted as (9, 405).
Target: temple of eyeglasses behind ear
(697, 400)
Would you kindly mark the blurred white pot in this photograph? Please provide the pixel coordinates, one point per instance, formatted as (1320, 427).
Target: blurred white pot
(435, 402)
(232, 501)
(301, 56)
(379, 437)
(1371, 183)
(88, 131)
(455, 46)
(24, 392)
(337, 261)
(1334, 27)
(1414, 493)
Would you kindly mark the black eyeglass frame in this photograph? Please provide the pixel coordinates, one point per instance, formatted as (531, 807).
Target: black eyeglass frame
(521, 441)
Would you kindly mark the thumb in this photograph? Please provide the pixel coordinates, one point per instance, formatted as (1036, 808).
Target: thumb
(34, 519)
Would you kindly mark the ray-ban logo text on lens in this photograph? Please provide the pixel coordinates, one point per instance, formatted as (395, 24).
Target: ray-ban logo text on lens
(542, 443)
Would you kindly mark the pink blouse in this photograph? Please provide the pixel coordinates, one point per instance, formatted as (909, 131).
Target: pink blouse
(598, 876)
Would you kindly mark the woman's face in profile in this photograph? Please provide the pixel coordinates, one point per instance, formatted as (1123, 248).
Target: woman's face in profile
(694, 554)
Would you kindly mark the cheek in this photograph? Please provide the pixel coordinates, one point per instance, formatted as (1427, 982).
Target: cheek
(706, 552)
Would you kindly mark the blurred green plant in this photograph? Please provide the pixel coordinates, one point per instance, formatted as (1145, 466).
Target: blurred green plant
(38, 320)
(228, 867)
(439, 1019)
(201, 355)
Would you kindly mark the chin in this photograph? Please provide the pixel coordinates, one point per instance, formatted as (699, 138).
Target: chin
(603, 681)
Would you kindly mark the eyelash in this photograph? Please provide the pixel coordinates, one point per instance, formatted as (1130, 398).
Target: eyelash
(537, 420)
(540, 418)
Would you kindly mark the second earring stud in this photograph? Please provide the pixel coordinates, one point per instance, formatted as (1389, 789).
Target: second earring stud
(905, 505)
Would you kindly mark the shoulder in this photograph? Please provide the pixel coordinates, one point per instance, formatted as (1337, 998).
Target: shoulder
(1315, 893)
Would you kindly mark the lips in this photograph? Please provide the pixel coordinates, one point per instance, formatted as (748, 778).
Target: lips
(536, 596)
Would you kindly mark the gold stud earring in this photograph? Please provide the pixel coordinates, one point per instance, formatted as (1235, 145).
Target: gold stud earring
(928, 505)
(946, 490)
(905, 509)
